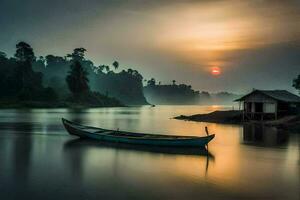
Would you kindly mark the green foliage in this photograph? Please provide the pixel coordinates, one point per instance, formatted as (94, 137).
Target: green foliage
(125, 85)
(116, 65)
(18, 80)
(77, 79)
(24, 52)
(170, 94)
(94, 99)
(25, 79)
(151, 82)
(78, 54)
(296, 83)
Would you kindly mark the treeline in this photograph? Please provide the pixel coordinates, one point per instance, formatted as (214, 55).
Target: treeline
(18, 81)
(71, 80)
(125, 85)
(177, 94)
(50, 81)
(156, 93)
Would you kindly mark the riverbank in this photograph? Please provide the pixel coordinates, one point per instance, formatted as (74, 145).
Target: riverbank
(289, 123)
(223, 117)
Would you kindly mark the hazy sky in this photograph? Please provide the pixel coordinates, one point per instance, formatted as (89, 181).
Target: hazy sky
(255, 44)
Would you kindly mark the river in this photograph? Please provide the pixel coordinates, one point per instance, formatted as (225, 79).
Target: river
(39, 160)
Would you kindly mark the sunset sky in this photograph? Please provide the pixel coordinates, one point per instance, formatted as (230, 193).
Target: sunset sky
(253, 44)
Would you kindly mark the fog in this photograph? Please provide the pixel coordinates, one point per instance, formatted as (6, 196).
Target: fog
(255, 44)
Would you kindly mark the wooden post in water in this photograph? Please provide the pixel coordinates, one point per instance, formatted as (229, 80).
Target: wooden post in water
(206, 130)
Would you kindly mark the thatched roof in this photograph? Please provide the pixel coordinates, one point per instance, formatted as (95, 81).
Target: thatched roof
(279, 95)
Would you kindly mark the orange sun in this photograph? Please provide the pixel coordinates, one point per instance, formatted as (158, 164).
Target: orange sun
(215, 71)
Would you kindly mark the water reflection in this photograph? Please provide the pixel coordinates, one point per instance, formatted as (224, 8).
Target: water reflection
(260, 135)
(39, 159)
(85, 143)
(77, 151)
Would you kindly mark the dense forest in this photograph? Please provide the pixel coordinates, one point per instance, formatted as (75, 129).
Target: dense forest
(126, 85)
(53, 81)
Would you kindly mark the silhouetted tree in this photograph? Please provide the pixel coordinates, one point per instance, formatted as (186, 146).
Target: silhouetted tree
(170, 94)
(173, 82)
(106, 68)
(296, 83)
(129, 71)
(28, 83)
(100, 68)
(77, 79)
(24, 52)
(151, 82)
(2, 55)
(78, 54)
(116, 65)
(5, 74)
(24, 83)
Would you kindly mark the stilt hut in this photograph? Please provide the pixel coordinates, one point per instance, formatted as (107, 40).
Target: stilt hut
(266, 104)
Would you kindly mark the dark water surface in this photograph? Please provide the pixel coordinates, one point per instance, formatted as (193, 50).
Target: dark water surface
(39, 160)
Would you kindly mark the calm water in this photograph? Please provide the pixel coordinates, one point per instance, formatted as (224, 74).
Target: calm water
(39, 160)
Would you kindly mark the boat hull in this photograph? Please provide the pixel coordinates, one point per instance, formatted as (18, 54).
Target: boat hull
(135, 138)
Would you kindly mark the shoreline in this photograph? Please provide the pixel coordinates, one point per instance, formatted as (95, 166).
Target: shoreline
(222, 117)
(289, 123)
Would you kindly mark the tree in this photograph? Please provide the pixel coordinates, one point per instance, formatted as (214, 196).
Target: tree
(106, 68)
(173, 82)
(129, 71)
(26, 79)
(296, 83)
(151, 82)
(116, 65)
(2, 55)
(24, 52)
(78, 54)
(100, 68)
(77, 79)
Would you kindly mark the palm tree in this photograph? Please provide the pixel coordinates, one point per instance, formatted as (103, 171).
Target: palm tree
(116, 65)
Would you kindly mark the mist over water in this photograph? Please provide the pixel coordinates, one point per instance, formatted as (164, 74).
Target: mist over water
(40, 160)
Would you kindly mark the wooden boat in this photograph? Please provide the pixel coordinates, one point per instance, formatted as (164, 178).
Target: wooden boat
(135, 138)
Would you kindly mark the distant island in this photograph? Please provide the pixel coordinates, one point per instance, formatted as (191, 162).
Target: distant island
(170, 94)
(182, 94)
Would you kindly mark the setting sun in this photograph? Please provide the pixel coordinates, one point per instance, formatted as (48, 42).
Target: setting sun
(215, 71)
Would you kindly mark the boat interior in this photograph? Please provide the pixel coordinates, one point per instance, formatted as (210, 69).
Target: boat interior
(101, 131)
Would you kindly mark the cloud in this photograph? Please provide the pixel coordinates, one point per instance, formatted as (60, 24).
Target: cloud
(166, 39)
